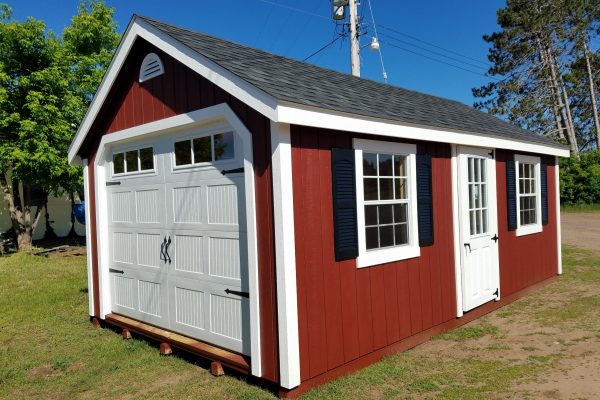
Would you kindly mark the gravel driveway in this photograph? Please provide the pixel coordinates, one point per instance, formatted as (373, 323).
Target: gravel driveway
(581, 230)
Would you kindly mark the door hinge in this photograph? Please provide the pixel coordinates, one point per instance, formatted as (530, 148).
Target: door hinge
(115, 183)
(241, 294)
(491, 153)
(468, 245)
(497, 292)
(495, 238)
(232, 171)
(116, 271)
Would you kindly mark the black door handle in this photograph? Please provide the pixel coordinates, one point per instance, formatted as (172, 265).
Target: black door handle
(167, 256)
(468, 245)
(162, 250)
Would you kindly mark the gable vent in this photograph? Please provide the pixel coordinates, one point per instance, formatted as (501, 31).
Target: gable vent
(152, 67)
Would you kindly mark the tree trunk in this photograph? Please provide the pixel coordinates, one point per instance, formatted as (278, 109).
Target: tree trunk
(23, 222)
(560, 97)
(586, 54)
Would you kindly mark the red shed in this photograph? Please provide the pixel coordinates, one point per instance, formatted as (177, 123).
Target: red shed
(296, 223)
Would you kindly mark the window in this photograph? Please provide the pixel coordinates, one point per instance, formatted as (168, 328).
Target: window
(478, 192)
(386, 202)
(205, 149)
(528, 195)
(132, 161)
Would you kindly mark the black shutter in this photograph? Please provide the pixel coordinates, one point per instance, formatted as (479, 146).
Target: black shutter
(511, 194)
(424, 200)
(345, 230)
(544, 189)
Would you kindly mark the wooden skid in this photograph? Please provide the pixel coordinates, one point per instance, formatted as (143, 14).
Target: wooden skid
(229, 359)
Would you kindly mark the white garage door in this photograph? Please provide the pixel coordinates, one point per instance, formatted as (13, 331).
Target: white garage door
(177, 231)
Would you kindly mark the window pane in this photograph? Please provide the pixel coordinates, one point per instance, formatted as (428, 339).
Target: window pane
(485, 221)
(224, 146)
(399, 165)
(401, 192)
(385, 214)
(386, 189)
(401, 234)
(478, 222)
(118, 163)
(532, 216)
(369, 164)
(521, 170)
(470, 170)
(372, 238)
(131, 158)
(471, 196)
(385, 165)
(386, 236)
(472, 221)
(202, 150)
(370, 215)
(401, 212)
(370, 188)
(147, 158)
(183, 152)
(483, 174)
(484, 195)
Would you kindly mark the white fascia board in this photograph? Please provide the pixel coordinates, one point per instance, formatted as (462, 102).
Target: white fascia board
(285, 256)
(229, 82)
(319, 118)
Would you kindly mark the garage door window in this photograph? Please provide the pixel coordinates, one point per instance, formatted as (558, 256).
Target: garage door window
(204, 149)
(132, 161)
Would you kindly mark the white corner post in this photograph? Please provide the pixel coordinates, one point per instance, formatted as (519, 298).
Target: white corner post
(456, 233)
(558, 228)
(285, 256)
(88, 234)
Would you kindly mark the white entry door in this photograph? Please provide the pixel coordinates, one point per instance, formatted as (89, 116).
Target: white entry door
(478, 226)
(178, 238)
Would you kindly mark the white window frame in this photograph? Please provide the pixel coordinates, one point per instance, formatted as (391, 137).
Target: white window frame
(530, 228)
(190, 136)
(367, 258)
(140, 171)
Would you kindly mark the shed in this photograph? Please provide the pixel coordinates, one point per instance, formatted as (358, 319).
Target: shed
(296, 223)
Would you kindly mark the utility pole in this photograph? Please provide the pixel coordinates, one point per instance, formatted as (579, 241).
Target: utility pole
(354, 44)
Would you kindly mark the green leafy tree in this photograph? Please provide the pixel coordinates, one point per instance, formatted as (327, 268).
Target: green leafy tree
(46, 84)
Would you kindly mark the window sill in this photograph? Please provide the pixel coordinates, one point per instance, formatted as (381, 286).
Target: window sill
(529, 229)
(377, 257)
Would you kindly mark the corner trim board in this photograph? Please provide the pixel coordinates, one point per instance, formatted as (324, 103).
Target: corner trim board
(88, 234)
(558, 222)
(456, 233)
(285, 256)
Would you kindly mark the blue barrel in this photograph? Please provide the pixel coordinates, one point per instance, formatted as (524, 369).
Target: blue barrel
(79, 211)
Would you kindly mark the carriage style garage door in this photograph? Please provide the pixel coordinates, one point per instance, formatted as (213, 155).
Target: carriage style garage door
(177, 233)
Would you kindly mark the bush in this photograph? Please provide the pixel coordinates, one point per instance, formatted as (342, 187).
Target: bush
(580, 180)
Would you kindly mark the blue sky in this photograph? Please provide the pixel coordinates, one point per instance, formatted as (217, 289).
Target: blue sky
(272, 25)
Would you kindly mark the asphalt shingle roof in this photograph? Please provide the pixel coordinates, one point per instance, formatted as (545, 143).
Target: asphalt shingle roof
(298, 82)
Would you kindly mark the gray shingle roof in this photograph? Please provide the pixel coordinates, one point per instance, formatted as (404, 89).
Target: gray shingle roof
(302, 83)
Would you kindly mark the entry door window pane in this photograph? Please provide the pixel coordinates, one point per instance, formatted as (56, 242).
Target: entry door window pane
(478, 195)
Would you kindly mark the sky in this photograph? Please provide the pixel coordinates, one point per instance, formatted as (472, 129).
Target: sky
(418, 38)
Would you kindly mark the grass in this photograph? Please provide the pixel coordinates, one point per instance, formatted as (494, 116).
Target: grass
(48, 348)
(580, 208)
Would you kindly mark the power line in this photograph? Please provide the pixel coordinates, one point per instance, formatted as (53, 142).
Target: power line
(433, 45)
(294, 9)
(439, 61)
(324, 47)
(377, 38)
(430, 51)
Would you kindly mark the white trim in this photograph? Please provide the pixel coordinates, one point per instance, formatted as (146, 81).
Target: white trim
(209, 115)
(311, 116)
(537, 227)
(411, 250)
(456, 233)
(282, 111)
(558, 222)
(88, 234)
(210, 70)
(285, 256)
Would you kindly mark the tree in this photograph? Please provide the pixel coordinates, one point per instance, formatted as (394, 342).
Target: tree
(46, 84)
(531, 56)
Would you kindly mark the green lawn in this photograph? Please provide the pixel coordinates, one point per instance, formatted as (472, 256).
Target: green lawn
(48, 348)
(580, 208)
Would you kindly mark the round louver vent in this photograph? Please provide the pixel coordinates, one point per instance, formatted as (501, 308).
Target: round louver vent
(152, 67)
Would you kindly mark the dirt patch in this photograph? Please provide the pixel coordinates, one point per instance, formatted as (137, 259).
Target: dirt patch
(581, 230)
(43, 371)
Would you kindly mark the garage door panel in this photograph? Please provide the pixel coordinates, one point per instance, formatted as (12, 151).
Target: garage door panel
(121, 206)
(148, 249)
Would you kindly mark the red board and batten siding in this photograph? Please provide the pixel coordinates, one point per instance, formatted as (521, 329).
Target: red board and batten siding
(345, 312)
(525, 260)
(181, 90)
